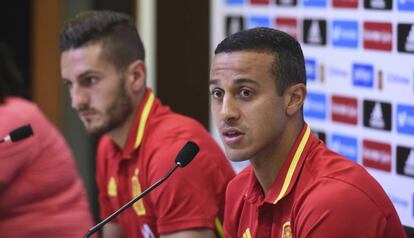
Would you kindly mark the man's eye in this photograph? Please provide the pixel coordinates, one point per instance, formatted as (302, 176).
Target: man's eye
(217, 94)
(245, 93)
(88, 81)
(68, 84)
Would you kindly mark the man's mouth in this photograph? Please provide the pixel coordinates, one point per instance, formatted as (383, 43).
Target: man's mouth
(231, 135)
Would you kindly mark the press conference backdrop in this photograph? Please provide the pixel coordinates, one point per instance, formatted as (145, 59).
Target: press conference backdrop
(360, 73)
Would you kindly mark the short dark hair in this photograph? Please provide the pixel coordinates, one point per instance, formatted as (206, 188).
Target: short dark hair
(117, 32)
(289, 63)
(11, 79)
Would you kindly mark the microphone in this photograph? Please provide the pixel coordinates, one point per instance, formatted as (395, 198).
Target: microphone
(18, 134)
(184, 157)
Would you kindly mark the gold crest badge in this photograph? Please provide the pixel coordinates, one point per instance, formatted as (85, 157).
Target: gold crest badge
(136, 190)
(287, 230)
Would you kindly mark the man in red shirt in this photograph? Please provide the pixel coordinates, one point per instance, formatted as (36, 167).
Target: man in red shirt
(41, 191)
(295, 186)
(102, 62)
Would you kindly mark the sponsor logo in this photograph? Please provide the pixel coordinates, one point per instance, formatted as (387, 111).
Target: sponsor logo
(345, 145)
(377, 115)
(344, 109)
(363, 75)
(398, 201)
(376, 155)
(337, 72)
(377, 36)
(398, 79)
(378, 4)
(405, 38)
(314, 32)
(234, 24)
(406, 5)
(345, 34)
(345, 3)
(288, 25)
(287, 2)
(310, 69)
(405, 119)
(234, 2)
(315, 106)
(314, 3)
(259, 1)
(405, 161)
(258, 21)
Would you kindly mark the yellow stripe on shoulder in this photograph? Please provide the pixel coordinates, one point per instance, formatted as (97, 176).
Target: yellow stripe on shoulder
(293, 164)
(143, 119)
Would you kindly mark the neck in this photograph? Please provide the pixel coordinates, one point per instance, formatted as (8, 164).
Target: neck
(120, 134)
(268, 164)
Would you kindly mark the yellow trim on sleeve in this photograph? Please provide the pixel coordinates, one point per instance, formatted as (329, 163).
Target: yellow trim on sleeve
(219, 228)
(143, 119)
(293, 164)
(247, 234)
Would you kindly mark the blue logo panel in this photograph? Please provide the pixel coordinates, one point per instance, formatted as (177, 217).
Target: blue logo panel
(315, 106)
(314, 3)
(345, 145)
(234, 2)
(406, 5)
(405, 119)
(345, 34)
(310, 69)
(363, 75)
(258, 21)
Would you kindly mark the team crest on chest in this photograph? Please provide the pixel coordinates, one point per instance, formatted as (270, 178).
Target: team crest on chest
(136, 190)
(287, 230)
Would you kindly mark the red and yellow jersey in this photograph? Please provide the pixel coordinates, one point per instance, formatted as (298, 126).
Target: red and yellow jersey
(193, 197)
(318, 193)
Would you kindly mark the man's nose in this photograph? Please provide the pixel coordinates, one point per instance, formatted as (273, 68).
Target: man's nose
(230, 109)
(79, 96)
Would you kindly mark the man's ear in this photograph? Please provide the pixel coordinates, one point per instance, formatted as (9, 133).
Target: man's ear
(294, 97)
(136, 76)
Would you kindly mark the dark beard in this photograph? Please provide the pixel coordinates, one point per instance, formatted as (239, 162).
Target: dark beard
(118, 112)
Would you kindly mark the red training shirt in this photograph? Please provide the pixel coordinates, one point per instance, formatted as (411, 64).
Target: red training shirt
(193, 197)
(42, 194)
(318, 193)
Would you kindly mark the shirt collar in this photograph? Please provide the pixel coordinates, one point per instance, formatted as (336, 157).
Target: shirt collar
(288, 174)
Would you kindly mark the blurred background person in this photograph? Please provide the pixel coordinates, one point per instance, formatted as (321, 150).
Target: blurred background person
(41, 192)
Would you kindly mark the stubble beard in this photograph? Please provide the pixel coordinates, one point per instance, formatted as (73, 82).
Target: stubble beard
(116, 114)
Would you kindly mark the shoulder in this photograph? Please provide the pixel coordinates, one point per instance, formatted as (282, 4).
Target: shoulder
(331, 204)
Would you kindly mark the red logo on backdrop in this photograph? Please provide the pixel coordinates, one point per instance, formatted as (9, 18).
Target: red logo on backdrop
(259, 1)
(345, 3)
(344, 109)
(378, 36)
(288, 25)
(376, 155)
